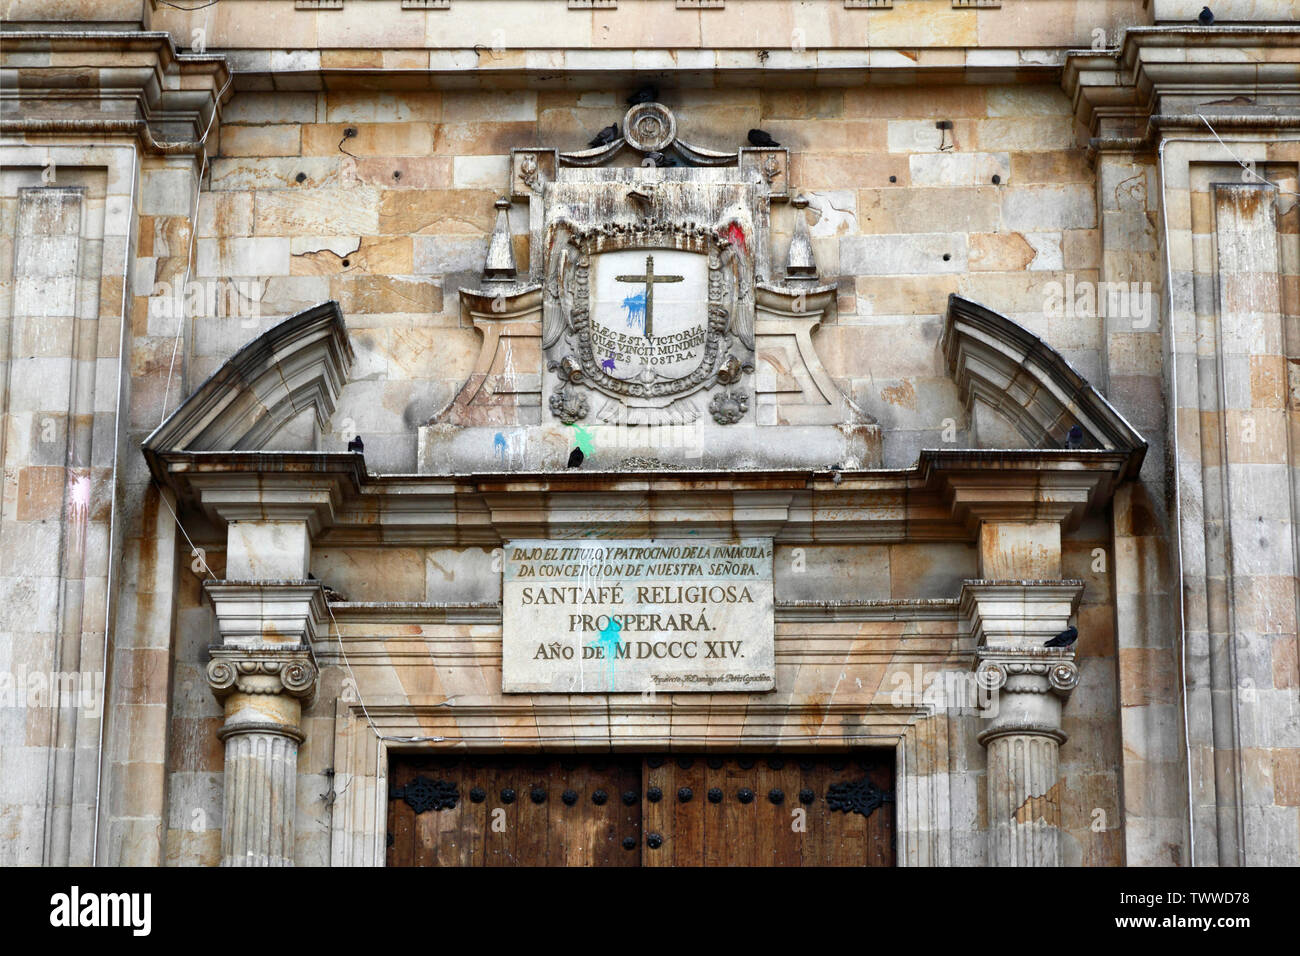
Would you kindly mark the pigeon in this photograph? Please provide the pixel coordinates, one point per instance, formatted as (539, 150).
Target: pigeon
(1205, 17)
(330, 593)
(647, 94)
(575, 458)
(760, 137)
(1065, 638)
(1075, 438)
(357, 445)
(661, 160)
(605, 136)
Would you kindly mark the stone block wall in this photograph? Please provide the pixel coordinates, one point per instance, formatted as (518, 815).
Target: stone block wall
(392, 220)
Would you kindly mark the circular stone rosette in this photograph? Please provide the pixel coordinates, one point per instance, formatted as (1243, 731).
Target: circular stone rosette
(649, 127)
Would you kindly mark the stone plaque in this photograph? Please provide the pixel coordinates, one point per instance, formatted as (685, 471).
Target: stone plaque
(637, 615)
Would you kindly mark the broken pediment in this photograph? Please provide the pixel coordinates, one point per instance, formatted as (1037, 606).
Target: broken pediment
(653, 321)
(1019, 392)
(274, 393)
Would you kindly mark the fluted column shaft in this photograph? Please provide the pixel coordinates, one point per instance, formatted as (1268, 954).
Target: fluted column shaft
(261, 772)
(262, 690)
(1024, 801)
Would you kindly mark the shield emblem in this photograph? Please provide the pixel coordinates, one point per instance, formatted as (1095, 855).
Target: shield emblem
(649, 313)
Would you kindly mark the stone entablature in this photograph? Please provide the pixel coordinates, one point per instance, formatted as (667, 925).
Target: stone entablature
(1157, 83)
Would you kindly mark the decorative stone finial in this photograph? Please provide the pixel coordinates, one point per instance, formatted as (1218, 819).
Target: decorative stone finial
(800, 264)
(500, 263)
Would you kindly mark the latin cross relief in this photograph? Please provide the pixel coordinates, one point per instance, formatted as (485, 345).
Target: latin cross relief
(645, 301)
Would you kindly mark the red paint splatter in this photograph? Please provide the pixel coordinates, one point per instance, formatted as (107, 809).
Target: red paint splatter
(736, 235)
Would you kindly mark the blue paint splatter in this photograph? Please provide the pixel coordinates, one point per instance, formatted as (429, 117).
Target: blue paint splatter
(634, 305)
(608, 364)
(608, 641)
(499, 444)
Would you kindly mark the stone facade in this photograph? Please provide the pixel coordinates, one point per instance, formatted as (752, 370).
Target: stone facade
(264, 227)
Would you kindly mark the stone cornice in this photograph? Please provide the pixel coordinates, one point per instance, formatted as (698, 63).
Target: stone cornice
(1160, 78)
(114, 83)
(314, 69)
(937, 499)
(489, 612)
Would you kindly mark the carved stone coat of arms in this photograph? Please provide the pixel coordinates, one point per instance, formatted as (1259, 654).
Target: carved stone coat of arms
(650, 299)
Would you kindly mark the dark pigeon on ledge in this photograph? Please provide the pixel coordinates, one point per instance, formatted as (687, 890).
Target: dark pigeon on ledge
(1075, 438)
(1065, 638)
(357, 445)
(605, 136)
(1206, 17)
(575, 458)
(647, 94)
(330, 594)
(761, 137)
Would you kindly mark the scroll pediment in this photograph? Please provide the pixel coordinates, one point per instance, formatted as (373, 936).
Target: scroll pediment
(294, 370)
(1014, 381)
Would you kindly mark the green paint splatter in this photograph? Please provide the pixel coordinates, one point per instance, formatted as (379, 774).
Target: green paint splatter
(583, 439)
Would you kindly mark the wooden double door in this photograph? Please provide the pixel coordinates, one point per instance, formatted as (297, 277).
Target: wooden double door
(643, 810)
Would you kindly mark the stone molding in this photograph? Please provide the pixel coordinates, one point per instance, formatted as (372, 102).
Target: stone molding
(253, 614)
(1016, 617)
(63, 83)
(1161, 77)
(345, 505)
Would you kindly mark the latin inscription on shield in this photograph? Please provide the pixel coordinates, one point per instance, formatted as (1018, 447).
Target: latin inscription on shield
(637, 615)
(649, 313)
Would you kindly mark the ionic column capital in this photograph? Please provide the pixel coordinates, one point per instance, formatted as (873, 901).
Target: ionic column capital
(1011, 622)
(262, 671)
(1030, 688)
(1055, 671)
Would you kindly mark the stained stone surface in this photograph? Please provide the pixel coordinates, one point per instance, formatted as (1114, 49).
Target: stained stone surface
(1065, 164)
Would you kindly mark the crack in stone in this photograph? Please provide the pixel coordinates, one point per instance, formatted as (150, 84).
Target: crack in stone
(1046, 807)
